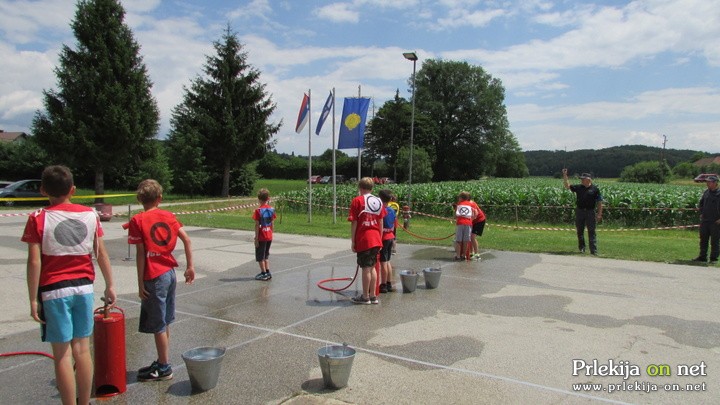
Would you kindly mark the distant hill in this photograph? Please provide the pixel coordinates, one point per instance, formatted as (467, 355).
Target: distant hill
(608, 162)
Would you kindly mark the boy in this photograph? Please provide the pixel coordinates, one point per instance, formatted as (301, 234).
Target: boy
(478, 226)
(263, 217)
(465, 214)
(61, 239)
(154, 232)
(396, 208)
(366, 213)
(388, 239)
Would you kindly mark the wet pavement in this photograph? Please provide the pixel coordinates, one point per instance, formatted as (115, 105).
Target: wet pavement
(510, 328)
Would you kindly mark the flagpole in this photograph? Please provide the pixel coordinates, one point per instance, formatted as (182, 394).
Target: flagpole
(309, 158)
(359, 147)
(334, 170)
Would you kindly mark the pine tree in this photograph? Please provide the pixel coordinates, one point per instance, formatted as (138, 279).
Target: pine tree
(222, 123)
(103, 111)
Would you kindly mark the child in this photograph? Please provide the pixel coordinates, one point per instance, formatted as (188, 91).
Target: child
(61, 239)
(464, 214)
(396, 208)
(366, 213)
(154, 232)
(388, 238)
(263, 217)
(478, 226)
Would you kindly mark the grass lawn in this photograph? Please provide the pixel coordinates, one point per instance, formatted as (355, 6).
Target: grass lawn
(669, 246)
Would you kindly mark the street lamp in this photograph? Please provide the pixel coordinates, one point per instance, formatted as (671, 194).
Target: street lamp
(413, 57)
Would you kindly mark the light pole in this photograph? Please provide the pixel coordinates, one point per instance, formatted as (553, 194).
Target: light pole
(413, 57)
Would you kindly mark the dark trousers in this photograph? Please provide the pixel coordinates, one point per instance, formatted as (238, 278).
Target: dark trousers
(583, 218)
(709, 231)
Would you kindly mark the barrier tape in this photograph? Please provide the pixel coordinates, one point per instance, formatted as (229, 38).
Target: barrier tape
(75, 197)
(124, 214)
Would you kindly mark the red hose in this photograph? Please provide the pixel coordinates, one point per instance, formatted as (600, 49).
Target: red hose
(9, 354)
(328, 280)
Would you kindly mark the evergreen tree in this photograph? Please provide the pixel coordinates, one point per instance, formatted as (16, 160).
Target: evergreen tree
(222, 123)
(103, 112)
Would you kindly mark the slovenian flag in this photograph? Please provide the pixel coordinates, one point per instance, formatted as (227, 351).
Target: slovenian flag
(325, 112)
(352, 127)
(304, 114)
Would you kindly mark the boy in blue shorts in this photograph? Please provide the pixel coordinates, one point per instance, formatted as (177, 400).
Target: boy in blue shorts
(264, 217)
(61, 239)
(155, 232)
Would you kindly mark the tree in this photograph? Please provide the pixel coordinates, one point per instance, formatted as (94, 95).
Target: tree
(466, 106)
(103, 111)
(222, 123)
(422, 165)
(389, 130)
(646, 172)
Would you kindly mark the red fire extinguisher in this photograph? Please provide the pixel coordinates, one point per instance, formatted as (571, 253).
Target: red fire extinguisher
(109, 343)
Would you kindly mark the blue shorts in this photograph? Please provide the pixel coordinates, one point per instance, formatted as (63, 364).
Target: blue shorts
(158, 310)
(68, 313)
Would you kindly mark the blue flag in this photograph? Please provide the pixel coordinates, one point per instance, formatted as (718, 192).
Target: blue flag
(324, 114)
(352, 127)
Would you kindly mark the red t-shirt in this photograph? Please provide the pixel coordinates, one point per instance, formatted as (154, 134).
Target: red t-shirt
(158, 231)
(480, 214)
(66, 233)
(464, 213)
(265, 215)
(368, 211)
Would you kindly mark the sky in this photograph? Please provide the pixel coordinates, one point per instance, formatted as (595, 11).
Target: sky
(577, 74)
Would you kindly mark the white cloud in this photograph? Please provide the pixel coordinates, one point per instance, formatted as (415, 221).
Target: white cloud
(461, 17)
(254, 9)
(339, 13)
(140, 6)
(22, 21)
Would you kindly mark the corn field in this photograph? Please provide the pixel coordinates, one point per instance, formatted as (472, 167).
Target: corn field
(533, 200)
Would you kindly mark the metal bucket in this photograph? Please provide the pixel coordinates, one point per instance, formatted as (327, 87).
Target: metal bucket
(409, 280)
(203, 365)
(432, 278)
(335, 364)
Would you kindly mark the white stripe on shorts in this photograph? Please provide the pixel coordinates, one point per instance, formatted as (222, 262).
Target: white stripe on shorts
(67, 292)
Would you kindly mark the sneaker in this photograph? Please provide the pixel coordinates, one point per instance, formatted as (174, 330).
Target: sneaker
(156, 372)
(374, 300)
(360, 300)
(700, 259)
(148, 368)
(582, 250)
(267, 277)
(595, 253)
(389, 287)
(713, 261)
(383, 288)
(260, 276)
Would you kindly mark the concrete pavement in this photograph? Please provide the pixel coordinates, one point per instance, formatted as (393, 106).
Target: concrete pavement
(511, 328)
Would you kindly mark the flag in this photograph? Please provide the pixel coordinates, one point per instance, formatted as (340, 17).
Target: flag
(352, 127)
(304, 114)
(325, 112)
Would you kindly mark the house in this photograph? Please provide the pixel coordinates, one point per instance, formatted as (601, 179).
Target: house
(12, 136)
(706, 161)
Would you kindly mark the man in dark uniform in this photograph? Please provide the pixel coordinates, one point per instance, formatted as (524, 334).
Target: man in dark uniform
(588, 197)
(709, 221)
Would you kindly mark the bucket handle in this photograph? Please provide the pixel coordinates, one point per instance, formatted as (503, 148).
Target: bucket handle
(327, 343)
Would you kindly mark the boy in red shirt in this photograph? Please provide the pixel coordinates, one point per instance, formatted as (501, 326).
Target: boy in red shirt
(478, 226)
(155, 232)
(264, 217)
(61, 239)
(366, 214)
(388, 239)
(465, 214)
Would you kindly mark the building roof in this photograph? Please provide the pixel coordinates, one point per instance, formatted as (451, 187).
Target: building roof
(12, 136)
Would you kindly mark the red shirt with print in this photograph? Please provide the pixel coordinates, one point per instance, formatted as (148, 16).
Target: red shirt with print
(464, 213)
(265, 215)
(66, 233)
(157, 230)
(480, 214)
(368, 211)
